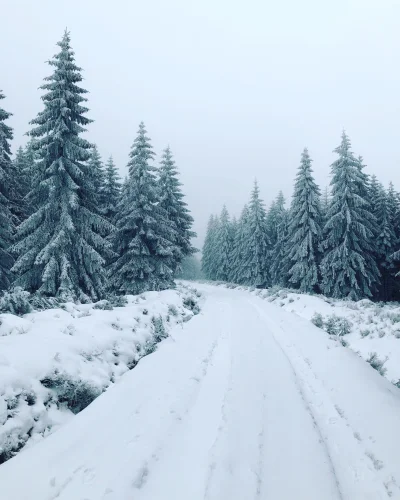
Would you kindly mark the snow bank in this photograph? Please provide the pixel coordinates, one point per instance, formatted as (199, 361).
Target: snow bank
(55, 362)
(374, 327)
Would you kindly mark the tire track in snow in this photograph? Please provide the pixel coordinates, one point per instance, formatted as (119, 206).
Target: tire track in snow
(321, 412)
(304, 399)
(143, 472)
(221, 427)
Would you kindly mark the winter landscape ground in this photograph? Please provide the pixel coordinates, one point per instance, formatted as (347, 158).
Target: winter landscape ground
(246, 400)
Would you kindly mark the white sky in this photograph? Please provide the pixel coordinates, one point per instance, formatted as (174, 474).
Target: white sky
(237, 88)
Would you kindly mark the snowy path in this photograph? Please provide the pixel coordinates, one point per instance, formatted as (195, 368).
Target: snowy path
(244, 402)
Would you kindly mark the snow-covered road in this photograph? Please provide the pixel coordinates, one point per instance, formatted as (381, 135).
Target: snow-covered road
(245, 401)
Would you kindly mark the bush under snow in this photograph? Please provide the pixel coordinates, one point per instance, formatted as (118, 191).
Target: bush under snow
(55, 362)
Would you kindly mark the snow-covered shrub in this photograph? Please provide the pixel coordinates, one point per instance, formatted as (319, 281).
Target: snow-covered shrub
(76, 395)
(159, 331)
(40, 303)
(117, 300)
(338, 326)
(365, 332)
(103, 305)
(394, 317)
(376, 363)
(191, 304)
(15, 302)
(318, 320)
(172, 309)
(76, 358)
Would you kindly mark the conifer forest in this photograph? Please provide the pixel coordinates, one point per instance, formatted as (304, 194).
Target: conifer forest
(73, 230)
(70, 228)
(342, 242)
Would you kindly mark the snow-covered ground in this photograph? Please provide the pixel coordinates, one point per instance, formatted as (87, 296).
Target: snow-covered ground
(245, 401)
(373, 327)
(55, 362)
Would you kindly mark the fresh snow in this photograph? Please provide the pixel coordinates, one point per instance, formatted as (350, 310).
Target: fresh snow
(80, 350)
(245, 401)
(375, 327)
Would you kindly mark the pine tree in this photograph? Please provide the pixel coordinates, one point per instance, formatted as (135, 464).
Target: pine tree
(20, 187)
(238, 274)
(348, 267)
(305, 232)
(325, 201)
(96, 169)
(384, 243)
(144, 234)
(273, 218)
(111, 190)
(224, 242)
(61, 246)
(373, 193)
(172, 202)
(256, 255)
(279, 255)
(209, 258)
(6, 226)
(394, 209)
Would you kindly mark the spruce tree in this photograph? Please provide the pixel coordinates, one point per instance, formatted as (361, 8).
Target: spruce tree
(144, 234)
(6, 225)
(61, 247)
(279, 254)
(374, 193)
(394, 209)
(385, 242)
(96, 169)
(209, 257)
(224, 242)
(257, 252)
(172, 202)
(305, 231)
(239, 271)
(348, 267)
(111, 190)
(20, 187)
(273, 218)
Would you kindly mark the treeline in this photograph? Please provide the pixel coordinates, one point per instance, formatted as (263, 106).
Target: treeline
(69, 228)
(344, 243)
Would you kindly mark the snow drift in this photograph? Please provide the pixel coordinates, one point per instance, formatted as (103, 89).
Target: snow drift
(54, 363)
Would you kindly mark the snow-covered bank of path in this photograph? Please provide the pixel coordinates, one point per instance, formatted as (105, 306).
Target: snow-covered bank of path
(246, 401)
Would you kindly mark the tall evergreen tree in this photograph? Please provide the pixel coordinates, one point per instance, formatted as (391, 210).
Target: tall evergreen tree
(238, 272)
(394, 209)
(279, 254)
(374, 193)
(144, 234)
(305, 231)
(172, 202)
(273, 218)
(96, 169)
(209, 254)
(255, 258)
(61, 246)
(348, 267)
(6, 226)
(385, 242)
(224, 242)
(20, 187)
(111, 190)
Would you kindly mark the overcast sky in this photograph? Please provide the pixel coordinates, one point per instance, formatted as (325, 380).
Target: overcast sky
(237, 88)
